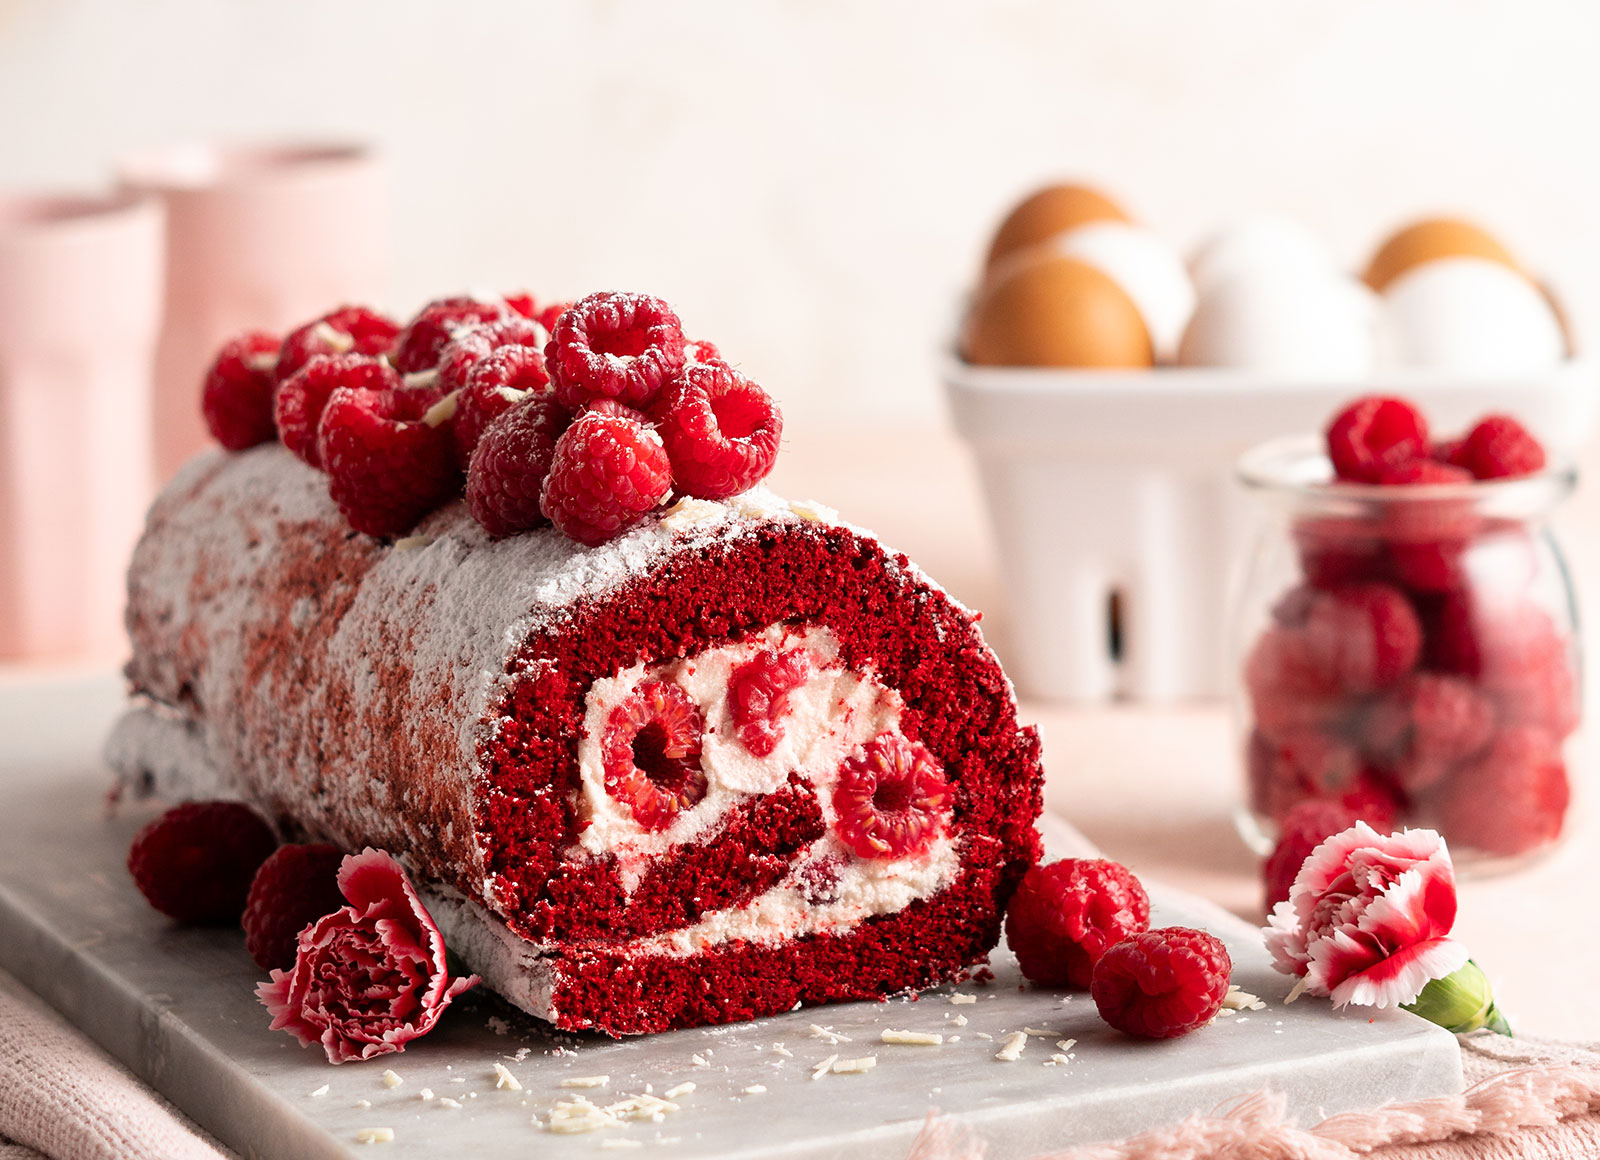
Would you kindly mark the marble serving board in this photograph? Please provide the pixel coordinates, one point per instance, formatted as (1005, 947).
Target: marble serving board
(177, 1006)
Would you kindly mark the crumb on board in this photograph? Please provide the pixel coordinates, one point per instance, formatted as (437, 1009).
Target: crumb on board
(1011, 1050)
(912, 1038)
(374, 1135)
(389, 1079)
(504, 1080)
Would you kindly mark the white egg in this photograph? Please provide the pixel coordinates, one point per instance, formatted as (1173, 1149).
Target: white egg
(1468, 316)
(1260, 243)
(1284, 321)
(1146, 267)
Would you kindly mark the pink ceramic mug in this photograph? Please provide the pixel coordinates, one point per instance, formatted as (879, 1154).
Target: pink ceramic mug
(258, 238)
(80, 307)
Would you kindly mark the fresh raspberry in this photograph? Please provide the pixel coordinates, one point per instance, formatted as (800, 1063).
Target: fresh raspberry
(1302, 830)
(1430, 566)
(1311, 765)
(1064, 916)
(698, 350)
(497, 383)
(1335, 552)
(1499, 447)
(347, 330)
(651, 753)
(194, 863)
(1288, 692)
(294, 887)
(419, 345)
(1373, 434)
(526, 305)
(509, 465)
(237, 397)
(721, 430)
(1510, 800)
(607, 474)
(1421, 472)
(1362, 637)
(1163, 983)
(388, 463)
(522, 302)
(1525, 666)
(614, 345)
(1445, 451)
(475, 342)
(301, 399)
(1451, 722)
(891, 799)
(617, 411)
(758, 696)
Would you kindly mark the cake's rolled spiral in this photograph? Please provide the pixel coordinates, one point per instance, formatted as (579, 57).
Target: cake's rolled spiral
(740, 758)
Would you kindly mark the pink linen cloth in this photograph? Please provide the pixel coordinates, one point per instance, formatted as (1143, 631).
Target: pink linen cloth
(62, 1098)
(1528, 1099)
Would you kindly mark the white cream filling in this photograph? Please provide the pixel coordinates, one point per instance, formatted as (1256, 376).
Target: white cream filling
(830, 716)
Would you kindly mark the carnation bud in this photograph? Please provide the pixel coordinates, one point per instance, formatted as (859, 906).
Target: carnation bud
(1461, 1002)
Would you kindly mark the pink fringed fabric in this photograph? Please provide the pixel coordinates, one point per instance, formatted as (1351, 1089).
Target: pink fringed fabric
(1529, 1099)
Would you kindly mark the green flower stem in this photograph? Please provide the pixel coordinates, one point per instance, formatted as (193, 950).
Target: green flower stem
(1461, 1002)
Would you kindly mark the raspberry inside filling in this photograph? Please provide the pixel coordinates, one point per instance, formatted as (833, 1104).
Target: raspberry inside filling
(670, 749)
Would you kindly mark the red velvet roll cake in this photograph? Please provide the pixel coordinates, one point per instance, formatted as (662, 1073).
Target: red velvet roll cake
(738, 758)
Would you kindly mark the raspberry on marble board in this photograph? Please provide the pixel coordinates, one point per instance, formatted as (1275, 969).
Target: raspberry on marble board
(1163, 983)
(196, 861)
(1066, 914)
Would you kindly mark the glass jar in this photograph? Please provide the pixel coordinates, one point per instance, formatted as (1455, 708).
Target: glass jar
(1410, 652)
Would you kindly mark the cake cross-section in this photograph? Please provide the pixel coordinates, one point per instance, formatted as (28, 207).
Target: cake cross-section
(740, 758)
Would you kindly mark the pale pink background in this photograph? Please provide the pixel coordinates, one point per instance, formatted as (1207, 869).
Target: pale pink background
(80, 284)
(258, 238)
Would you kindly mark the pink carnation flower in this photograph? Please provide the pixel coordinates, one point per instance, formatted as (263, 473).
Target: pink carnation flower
(1368, 918)
(371, 976)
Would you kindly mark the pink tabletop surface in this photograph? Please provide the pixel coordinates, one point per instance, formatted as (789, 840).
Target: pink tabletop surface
(1155, 787)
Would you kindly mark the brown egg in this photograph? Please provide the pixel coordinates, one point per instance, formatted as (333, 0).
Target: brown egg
(1431, 238)
(1056, 312)
(1051, 211)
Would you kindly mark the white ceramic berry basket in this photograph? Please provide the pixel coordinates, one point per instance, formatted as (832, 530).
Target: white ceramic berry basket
(1114, 489)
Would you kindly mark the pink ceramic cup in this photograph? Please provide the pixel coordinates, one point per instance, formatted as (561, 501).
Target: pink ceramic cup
(258, 238)
(80, 307)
